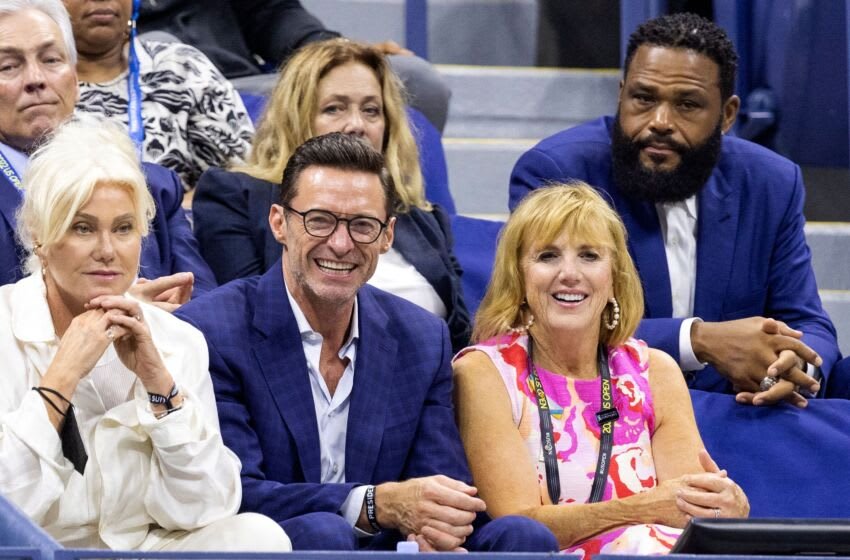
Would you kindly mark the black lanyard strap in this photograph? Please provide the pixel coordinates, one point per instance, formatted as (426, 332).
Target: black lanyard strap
(605, 417)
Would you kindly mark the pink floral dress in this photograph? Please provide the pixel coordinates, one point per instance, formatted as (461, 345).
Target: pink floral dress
(573, 404)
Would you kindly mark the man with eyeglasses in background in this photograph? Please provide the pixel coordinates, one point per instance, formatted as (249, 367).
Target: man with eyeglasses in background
(336, 395)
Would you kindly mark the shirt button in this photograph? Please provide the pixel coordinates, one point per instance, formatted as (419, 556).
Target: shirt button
(336, 468)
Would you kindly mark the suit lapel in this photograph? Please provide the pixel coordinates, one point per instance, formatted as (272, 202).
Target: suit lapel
(373, 374)
(646, 245)
(719, 209)
(280, 358)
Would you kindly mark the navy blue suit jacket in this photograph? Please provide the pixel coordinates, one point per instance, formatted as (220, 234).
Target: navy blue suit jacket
(231, 212)
(752, 257)
(169, 247)
(400, 422)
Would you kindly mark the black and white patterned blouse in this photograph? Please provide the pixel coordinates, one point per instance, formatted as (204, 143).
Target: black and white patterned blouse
(193, 116)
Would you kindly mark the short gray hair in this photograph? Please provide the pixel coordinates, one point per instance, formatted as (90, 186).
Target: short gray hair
(55, 10)
(81, 154)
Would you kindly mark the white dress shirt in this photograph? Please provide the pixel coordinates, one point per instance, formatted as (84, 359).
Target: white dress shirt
(144, 477)
(679, 229)
(332, 410)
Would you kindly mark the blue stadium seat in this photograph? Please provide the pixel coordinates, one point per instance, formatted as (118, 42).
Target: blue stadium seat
(475, 249)
(432, 160)
(791, 462)
(17, 530)
(254, 104)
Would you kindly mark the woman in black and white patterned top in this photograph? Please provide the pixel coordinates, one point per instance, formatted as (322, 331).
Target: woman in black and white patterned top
(192, 116)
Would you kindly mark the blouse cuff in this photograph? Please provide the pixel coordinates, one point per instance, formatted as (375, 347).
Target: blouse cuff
(31, 424)
(178, 428)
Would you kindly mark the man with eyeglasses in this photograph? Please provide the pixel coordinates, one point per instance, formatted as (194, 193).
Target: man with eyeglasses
(336, 395)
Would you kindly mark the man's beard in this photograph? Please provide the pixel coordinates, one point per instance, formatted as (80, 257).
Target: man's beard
(685, 180)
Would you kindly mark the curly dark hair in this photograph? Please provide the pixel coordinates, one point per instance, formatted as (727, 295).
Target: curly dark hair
(692, 32)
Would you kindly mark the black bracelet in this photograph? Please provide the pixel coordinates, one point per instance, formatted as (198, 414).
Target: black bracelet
(162, 399)
(371, 509)
(156, 399)
(42, 390)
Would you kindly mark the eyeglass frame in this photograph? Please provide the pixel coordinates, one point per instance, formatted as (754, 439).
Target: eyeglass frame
(338, 219)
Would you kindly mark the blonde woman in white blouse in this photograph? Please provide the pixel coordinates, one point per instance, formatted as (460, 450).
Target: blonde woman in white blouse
(109, 435)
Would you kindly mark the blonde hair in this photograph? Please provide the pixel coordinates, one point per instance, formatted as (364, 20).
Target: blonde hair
(80, 155)
(579, 211)
(287, 121)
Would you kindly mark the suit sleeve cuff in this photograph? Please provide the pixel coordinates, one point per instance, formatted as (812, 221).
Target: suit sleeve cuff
(351, 508)
(687, 359)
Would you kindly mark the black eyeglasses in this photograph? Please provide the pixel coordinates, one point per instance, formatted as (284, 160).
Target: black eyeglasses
(321, 223)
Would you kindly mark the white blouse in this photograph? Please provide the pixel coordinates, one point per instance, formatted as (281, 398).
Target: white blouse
(143, 475)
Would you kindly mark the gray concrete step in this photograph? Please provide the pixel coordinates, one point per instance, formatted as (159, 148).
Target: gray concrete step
(489, 32)
(496, 114)
(501, 102)
(479, 172)
(495, 32)
(364, 20)
(830, 245)
(837, 304)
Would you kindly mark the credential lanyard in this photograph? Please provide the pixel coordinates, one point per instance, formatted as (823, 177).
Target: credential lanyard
(605, 417)
(134, 90)
(9, 171)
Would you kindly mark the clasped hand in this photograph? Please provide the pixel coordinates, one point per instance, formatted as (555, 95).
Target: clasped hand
(747, 350)
(112, 320)
(436, 511)
(710, 493)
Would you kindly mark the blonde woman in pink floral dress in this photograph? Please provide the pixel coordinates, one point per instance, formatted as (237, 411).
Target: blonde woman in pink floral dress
(567, 418)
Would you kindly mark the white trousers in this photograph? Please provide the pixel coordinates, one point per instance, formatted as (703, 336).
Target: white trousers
(246, 532)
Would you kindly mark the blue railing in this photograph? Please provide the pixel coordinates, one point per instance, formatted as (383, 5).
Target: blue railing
(97, 554)
(20, 554)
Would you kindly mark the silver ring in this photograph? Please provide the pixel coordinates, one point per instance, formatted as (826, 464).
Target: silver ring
(717, 513)
(109, 334)
(767, 383)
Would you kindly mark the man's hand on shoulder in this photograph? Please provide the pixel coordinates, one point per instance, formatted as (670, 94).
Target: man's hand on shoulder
(391, 47)
(746, 351)
(436, 509)
(166, 292)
